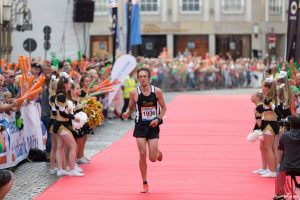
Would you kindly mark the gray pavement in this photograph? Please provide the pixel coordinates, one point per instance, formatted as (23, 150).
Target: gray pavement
(33, 178)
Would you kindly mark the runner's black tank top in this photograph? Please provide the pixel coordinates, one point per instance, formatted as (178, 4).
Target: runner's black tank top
(147, 107)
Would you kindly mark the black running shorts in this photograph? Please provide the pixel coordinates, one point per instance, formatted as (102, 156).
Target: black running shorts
(144, 131)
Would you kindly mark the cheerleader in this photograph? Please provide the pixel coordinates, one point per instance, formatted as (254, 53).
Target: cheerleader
(63, 128)
(78, 134)
(269, 124)
(53, 114)
(285, 99)
(84, 83)
(257, 99)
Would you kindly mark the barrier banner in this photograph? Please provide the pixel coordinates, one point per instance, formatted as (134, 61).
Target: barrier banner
(14, 143)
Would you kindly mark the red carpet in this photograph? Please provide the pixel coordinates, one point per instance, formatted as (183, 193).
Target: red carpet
(206, 156)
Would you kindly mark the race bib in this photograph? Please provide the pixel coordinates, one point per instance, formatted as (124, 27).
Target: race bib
(148, 113)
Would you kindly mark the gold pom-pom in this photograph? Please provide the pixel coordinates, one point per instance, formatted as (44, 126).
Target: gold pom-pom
(93, 109)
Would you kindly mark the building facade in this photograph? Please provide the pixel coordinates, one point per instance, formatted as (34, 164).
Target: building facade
(66, 37)
(244, 28)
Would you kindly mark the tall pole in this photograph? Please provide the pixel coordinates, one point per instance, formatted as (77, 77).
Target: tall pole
(9, 41)
(129, 12)
(1, 37)
(84, 38)
(114, 31)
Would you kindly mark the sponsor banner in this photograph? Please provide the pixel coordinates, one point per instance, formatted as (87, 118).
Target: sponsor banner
(292, 31)
(14, 143)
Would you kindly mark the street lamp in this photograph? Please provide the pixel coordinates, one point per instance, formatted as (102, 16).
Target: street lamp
(17, 14)
(23, 17)
(113, 27)
(256, 29)
(7, 7)
(14, 15)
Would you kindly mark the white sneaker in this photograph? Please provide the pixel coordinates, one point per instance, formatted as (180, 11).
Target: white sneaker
(88, 159)
(77, 168)
(258, 171)
(269, 175)
(265, 171)
(82, 161)
(53, 171)
(61, 172)
(75, 173)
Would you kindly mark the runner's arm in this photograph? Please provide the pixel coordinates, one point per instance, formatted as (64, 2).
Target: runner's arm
(161, 101)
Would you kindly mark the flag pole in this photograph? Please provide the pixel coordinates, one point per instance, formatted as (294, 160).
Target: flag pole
(129, 9)
(114, 32)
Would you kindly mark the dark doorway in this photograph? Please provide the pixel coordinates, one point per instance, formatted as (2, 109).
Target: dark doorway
(152, 45)
(237, 45)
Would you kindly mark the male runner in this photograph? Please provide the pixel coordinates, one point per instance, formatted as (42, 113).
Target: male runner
(150, 109)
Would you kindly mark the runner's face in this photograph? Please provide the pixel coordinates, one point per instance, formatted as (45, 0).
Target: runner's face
(143, 78)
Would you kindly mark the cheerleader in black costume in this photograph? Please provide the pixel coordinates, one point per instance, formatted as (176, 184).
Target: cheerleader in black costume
(85, 82)
(78, 134)
(257, 99)
(63, 128)
(284, 94)
(52, 92)
(269, 124)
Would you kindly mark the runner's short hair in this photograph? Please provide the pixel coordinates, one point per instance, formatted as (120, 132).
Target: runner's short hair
(145, 70)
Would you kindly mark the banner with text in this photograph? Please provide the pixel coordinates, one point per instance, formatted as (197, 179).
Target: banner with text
(14, 143)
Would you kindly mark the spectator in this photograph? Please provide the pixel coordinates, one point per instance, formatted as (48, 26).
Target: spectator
(289, 143)
(36, 69)
(10, 83)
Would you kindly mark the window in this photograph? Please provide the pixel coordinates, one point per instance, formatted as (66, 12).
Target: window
(101, 7)
(191, 6)
(233, 6)
(149, 6)
(275, 7)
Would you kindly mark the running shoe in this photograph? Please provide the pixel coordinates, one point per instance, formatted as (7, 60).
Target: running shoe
(160, 156)
(258, 171)
(264, 172)
(269, 175)
(145, 188)
(82, 161)
(62, 172)
(88, 159)
(79, 169)
(75, 173)
(53, 171)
